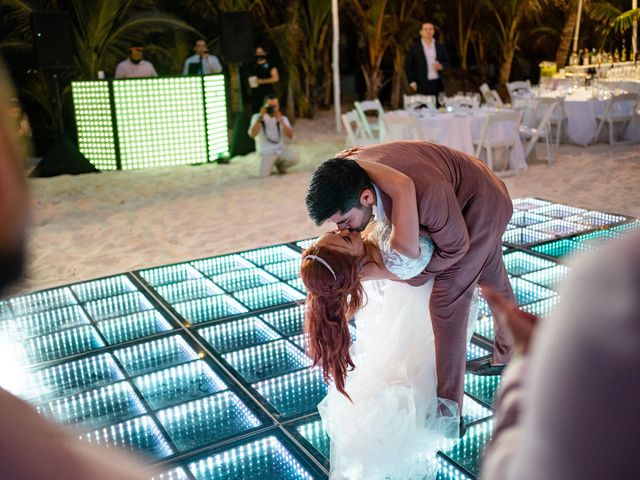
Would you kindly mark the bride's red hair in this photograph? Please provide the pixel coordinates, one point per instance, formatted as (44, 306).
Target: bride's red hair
(331, 302)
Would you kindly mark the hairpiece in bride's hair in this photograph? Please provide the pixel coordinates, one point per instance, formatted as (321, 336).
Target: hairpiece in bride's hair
(323, 262)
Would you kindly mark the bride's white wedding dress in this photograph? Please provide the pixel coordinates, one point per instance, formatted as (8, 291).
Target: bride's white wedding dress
(395, 424)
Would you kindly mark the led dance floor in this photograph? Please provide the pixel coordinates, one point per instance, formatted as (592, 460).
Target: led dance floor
(200, 366)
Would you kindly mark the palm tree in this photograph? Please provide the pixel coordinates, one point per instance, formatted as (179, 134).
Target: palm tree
(571, 12)
(510, 16)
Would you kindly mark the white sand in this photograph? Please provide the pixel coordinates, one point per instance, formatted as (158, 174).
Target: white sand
(96, 225)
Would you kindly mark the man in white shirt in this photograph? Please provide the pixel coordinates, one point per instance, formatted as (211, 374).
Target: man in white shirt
(269, 128)
(201, 63)
(425, 62)
(134, 66)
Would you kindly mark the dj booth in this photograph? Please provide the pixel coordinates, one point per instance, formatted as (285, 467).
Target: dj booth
(151, 122)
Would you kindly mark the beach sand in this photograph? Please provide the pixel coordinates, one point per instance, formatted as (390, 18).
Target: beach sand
(96, 225)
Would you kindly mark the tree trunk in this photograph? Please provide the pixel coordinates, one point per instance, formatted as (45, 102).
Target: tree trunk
(567, 33)
(397, 79)
(373, 77)
(507, 60)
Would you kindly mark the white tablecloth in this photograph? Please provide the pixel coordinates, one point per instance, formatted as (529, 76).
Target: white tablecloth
(459, 129)
(581, 110)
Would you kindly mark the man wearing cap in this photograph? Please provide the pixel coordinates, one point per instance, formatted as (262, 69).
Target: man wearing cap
(134, 66)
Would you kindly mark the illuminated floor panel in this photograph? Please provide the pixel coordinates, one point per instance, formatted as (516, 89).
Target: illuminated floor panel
(203, 363)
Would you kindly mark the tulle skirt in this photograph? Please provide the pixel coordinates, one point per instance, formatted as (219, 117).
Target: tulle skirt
(396, 422)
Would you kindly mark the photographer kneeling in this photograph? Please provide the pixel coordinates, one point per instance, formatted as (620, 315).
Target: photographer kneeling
(268, 128)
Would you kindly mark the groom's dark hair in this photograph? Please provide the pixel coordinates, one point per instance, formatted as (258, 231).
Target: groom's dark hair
(335, 187)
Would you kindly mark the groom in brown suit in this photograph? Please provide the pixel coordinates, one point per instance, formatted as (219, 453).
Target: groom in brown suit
(462, 206)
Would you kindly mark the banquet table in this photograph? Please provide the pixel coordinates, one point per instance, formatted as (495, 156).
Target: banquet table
(581, 108)
(458, 129)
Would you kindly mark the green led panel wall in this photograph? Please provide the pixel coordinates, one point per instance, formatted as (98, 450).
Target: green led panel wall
(94, 123)
(160, 122)
(157, 121)
(216, 108)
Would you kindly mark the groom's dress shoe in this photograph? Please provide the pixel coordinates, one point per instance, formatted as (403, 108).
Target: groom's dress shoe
(484, 367)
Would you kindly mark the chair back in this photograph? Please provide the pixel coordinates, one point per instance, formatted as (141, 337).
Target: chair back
(511, 118)
(540, 121)
(486, 95)
(374, 129)
(356, 135)
(518, 88)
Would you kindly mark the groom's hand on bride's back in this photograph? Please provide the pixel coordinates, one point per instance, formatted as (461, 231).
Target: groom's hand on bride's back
(520, 324)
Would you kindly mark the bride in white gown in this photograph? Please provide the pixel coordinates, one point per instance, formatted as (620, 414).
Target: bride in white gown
(381, 412)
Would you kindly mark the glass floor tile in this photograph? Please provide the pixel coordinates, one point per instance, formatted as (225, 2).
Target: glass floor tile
(131, 327)
(263, 256)
(47, 300)
(557, 210)
(289, 321)
(170, 274)
(267, 360)
(447, 471)
(298, 284)
(5, 311)
(207, 420)
(295, 393)
(476, 351)
(549, 277)
(625, 228)
(288, 270)
(304, 244)
(524, 236)
(468, 450)
(72, 377)
(238, 334)
(264, 459)
(314, 433)
(529, 203)
(210, 308)
(596, 219)
(519, 263)
(155, 355)
(64, 343)
(485, 327)
(482, 388)
(301, 340)
(188, 290)
(527, 292)
(268, 296)
(183, 383)
(96, 408)
(243, 279)
(559, 228)
(106, 287)
(559, 248)
(543, 308)
(41, 323)
(118, 306)
(140, 435)
(217, 265)
(173, 474)
(524, 219)
(473, 411)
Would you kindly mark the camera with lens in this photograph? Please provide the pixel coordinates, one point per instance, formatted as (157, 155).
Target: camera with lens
(270, 109)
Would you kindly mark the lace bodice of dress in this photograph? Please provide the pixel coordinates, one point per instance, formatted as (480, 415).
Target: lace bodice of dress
(400, 265)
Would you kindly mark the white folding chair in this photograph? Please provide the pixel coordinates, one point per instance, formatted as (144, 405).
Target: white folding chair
(375, 129)
(486, 95)
(507, 141)
(496, 98)
(355, 133)
(617, 111)
(519, 88)
(401, 127)
(538, 126)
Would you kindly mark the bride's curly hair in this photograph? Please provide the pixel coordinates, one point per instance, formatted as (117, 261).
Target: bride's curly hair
(331, 302)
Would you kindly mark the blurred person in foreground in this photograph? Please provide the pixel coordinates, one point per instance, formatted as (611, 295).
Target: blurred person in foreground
(269, 127)
(31, 447)
(568, 405)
